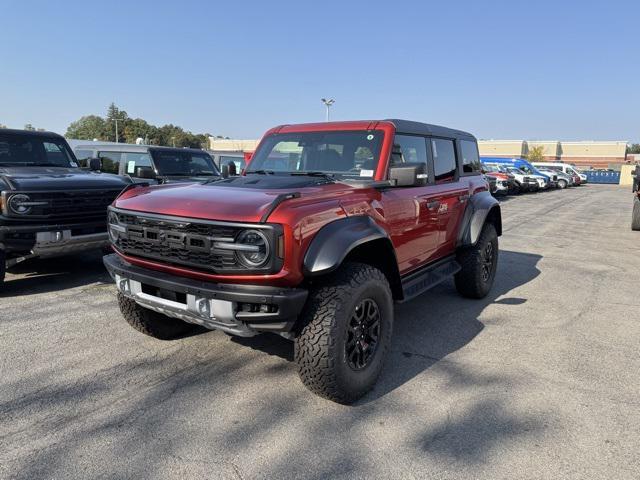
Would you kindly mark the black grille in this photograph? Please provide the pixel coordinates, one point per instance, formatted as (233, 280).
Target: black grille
(78, 203)
(187, 242)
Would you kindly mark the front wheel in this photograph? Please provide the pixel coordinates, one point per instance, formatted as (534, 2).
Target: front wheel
(152, 323)
(345, 333)
(635, 216)
(479, 264)
(3, 266)
(562, 184)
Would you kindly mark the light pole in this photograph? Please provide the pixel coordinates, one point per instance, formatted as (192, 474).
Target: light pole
(328, 103)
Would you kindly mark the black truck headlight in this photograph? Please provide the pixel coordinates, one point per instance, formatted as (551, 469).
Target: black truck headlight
(20, 204)
(252, 248)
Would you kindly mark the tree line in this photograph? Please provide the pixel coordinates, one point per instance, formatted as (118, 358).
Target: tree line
(118, 125)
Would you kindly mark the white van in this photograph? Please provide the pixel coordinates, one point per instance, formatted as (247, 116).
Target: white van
(563, 167)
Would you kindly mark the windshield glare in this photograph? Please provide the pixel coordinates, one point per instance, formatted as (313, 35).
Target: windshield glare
(340, 153)
(176, 163)
(27, 150)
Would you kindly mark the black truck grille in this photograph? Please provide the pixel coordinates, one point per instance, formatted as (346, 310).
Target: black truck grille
(187, 242)
(78, 203)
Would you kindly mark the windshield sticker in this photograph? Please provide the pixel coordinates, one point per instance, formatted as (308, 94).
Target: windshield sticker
(131, 166)
(366, 173)
(74, 164)
(369, 137)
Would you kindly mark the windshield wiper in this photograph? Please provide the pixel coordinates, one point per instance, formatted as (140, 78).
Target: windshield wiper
(262, 172)
(313, 173)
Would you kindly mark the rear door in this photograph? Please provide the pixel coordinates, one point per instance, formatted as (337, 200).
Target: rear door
(451, 191)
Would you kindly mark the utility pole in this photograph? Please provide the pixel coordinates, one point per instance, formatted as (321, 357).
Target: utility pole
(116, 120)
(327, 104)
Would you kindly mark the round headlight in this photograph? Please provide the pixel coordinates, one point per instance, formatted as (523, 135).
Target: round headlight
(20, 204)
(256, 252)
(114, 226)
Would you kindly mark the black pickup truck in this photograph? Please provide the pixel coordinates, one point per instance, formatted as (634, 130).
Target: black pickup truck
(48, 205)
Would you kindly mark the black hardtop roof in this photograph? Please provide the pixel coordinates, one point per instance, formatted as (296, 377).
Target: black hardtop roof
(129, 147)
(34, 133)
(419, 128)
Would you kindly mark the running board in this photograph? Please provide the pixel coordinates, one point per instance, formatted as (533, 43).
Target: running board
(428, 277)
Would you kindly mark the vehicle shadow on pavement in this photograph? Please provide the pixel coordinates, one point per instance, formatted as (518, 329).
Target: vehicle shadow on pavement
(54, 274)
(430, 327)
(440, 322)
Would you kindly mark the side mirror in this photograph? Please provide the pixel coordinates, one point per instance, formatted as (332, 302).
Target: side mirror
(95, 164)
(409, 175)
(224, 171)
(144, 172)
(233, 170)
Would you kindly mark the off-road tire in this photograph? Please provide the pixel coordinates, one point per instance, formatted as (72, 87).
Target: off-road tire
(152, 323)
(635, 216)
(321, 341)
(470, 281)
(562, 184)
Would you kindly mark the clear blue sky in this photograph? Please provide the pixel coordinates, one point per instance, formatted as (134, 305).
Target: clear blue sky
(500, 69)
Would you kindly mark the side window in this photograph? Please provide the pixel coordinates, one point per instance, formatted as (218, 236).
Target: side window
(133, 160)
(110, 161)
(470, 158)
(444, 159)
(409, 149)
(83, 154)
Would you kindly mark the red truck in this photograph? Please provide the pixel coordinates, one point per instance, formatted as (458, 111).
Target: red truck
(329, 225)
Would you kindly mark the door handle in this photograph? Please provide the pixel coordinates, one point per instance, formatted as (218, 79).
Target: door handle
(464, 198)
(432, 205)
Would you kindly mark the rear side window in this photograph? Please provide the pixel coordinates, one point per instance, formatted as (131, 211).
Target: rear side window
(470, 158)
(83, 154)
(110, 161)
(409, 149)
(444, 159)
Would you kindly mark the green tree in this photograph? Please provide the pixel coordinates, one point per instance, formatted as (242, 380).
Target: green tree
(88, 128)
(536, 154)
(633, 148)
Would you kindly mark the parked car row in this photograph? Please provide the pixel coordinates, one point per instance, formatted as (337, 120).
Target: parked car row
(515, 175)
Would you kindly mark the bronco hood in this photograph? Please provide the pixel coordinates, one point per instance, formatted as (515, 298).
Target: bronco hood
(239, 199)
(57, 178)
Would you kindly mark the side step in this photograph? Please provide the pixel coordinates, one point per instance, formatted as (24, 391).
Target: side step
(428, 277)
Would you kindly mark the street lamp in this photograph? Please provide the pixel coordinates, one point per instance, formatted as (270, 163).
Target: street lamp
(328, 103)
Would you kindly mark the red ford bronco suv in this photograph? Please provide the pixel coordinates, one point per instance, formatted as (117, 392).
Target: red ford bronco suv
(327, 227)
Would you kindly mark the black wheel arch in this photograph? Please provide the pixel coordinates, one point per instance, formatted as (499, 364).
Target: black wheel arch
(357, 239)
(481, 208)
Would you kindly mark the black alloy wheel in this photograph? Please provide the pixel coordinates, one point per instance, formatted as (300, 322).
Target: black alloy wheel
(363, 332)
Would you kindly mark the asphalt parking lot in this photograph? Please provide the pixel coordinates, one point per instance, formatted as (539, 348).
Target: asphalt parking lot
(539, 380)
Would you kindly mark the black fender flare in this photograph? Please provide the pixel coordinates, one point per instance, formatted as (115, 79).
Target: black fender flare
(334, 241)
(479, 207)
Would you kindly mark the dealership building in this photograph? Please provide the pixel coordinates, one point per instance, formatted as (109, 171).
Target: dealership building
(585, 153)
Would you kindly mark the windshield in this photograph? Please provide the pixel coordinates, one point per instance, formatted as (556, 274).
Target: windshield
(183, 163)
(515, 170)
(339, 153)
(31, 150)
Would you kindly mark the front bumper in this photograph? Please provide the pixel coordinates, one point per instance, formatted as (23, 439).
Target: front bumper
(242, 310)
(52, 240)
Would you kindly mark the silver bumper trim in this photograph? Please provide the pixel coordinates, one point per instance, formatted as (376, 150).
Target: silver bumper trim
(212, 314)
(61, 242)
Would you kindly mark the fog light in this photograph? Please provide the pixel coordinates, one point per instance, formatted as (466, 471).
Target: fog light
(203, 306)
(124, 286)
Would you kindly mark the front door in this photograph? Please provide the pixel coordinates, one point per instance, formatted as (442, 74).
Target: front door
(411, 213)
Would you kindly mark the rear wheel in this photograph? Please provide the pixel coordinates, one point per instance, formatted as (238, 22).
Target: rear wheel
(562, 184)
(345, 333)
(635, 216)
(152, 323)
(479, 264)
